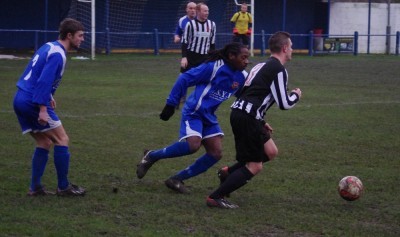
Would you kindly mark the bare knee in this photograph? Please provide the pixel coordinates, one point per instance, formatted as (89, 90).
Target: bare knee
(272, 153)
(58, 136)
(213, 146)
(44, 143)
(270, 149)
(254, 167)
(42, 140)
(216, 153)
(194, 144)
(63, 140)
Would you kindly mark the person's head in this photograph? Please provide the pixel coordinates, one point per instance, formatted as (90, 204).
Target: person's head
(280, 45)
(71, 30)
(202, 12)
(235, 54)
(191, 10)
(243, 7)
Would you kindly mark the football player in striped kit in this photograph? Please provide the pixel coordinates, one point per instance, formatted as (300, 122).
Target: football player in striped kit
(34, 106)
(190, 15)
(215, 81)
(265, 85)
(198, 39)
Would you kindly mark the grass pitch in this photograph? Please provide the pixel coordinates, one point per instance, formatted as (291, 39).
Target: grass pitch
(347, 123)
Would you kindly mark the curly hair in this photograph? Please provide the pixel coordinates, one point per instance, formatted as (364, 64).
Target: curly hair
(231, 48)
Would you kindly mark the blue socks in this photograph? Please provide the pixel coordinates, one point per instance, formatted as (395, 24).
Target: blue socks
(61, 162)
(39, 161)
(199, 166)
(181, 149)
(175, 150)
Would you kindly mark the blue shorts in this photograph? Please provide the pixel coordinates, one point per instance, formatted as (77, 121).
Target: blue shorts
(28, 114)
(193, 125)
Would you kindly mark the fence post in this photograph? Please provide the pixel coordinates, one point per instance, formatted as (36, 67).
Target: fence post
(310, 43)
(156, 43)
(397, 42)
(262, 43)
(108, 44)
(355, 50)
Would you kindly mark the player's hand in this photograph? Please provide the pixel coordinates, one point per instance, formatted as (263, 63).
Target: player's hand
(235, 31)
(297, 91)
(43, 116)
(184, 62)
(177, 39)
(268, 128)
(167, 112)
(53, 103)
(249, 31)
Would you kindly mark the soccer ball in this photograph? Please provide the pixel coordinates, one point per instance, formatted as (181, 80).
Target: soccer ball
(350, 188)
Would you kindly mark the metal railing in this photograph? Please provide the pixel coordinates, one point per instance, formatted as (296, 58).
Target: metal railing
(156, 41)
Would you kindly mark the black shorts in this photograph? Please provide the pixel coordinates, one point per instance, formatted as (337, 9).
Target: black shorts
(250, 137)
(194, 60)
(244, 39)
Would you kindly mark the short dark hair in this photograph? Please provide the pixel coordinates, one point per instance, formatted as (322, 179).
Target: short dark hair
(277, 41)
(69, 25)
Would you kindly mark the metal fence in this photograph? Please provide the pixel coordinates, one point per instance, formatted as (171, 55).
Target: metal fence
(157, 42)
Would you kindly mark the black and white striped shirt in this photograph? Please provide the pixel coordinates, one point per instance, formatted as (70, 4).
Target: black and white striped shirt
(198, 37)
(265, 85)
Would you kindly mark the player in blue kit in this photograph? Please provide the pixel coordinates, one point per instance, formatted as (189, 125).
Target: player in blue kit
(34, 106)
(215, 81)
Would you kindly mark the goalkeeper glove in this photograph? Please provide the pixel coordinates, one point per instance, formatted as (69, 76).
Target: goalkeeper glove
(167, 112)
(235, 31)
(248, 31)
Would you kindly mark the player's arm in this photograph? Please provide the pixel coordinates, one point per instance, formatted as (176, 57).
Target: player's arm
(185, 80)
(42, 94)
(186, 37)
(212, 40)
(279, 90)
(178, 34)
(44, 85)
(194, 76)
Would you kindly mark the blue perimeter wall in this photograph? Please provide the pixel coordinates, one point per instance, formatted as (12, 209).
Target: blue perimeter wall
(301, 17)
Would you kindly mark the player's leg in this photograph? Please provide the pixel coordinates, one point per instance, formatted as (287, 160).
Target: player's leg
(225, 171)
(250, 137)
(270, 149)
(61, 154)
(189, 142)
(39, 162)
(202, 164)
(27, 114)
(213, 146)
(61, 161)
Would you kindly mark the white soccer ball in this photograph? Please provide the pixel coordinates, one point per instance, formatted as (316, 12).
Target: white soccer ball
(350, 188)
